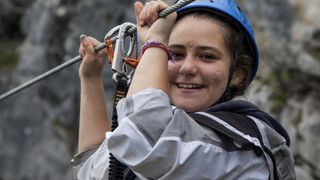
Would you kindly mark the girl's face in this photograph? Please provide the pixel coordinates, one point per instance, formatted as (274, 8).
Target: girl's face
(200, 71)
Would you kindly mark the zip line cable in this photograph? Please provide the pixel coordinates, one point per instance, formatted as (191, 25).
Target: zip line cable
(78, 58)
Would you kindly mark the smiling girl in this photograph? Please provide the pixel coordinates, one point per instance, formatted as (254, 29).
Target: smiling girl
(193, 61)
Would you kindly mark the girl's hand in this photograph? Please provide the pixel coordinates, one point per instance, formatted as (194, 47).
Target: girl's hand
(149, 25)
(92, 62)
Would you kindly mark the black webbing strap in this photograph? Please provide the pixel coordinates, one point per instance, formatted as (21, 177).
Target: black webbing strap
(116, 168)
(218, 127)
(240, 122)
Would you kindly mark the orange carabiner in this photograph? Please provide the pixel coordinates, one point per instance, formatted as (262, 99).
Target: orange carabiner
(108, 43)
(131, 61)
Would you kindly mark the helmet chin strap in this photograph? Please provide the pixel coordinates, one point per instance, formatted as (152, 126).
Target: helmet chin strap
(227, 94)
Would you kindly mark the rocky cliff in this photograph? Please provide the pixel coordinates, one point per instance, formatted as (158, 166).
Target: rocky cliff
(38, 126)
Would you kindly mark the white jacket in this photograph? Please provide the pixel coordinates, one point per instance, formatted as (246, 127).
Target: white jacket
(158, 141)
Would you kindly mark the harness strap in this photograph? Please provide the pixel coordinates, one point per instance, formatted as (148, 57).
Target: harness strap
(241, 123)
(228, 129)
(116, 168)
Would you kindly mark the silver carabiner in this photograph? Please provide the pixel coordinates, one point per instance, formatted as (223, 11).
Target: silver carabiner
(112, 32)
(119, 65)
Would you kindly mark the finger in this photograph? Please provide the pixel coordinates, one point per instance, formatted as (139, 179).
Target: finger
(102, 54)
(156, 10)
(81, 48)
(86, 44)
(151, 14)
(81, 52)
(144, 14)
(159, 7)
(138, 9)
(88, 50)
(95, 43)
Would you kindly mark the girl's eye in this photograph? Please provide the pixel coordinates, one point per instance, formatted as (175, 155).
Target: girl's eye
(177, 55)
(208, 57)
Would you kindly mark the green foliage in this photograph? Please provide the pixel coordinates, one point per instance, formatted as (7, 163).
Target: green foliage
(9, 55)
(313, 44)
(289, 83)
(279, 99)
(8, 58)
(315, 52)
(280, 82)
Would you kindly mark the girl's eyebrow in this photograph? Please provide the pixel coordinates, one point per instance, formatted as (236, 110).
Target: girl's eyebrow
(179, 46)
(217, 51)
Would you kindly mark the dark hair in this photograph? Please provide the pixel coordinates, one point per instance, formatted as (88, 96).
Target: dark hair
(236, 42)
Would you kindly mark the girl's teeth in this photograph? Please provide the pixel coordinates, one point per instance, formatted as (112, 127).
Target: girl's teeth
(188, 86)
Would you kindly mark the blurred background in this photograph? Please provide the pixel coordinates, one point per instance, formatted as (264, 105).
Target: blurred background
(38, 126)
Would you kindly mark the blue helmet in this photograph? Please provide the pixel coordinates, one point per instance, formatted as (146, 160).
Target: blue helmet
(229, 8)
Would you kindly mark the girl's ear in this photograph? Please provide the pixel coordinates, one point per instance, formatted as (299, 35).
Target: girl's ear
(237, 77)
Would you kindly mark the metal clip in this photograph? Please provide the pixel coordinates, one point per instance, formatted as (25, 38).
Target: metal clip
(119, 65)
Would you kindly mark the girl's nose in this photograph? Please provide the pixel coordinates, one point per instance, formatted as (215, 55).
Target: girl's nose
(188, 67)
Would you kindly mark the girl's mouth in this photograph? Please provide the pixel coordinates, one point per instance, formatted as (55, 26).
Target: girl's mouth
(189, 86)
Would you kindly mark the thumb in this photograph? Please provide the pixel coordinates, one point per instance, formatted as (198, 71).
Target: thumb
(138, 6)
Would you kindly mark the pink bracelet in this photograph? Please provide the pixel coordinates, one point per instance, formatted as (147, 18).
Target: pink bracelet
(157, 44)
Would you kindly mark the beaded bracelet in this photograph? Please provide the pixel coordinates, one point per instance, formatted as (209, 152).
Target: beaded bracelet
(157, 44)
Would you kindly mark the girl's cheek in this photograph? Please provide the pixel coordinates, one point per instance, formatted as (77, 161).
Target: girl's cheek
(172, 71)
(173, 67)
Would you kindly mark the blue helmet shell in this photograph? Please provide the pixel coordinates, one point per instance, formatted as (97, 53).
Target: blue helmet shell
(230, 9)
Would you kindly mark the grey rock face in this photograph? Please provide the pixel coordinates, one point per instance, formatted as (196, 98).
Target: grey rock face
(288, 83)
(38, 126)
